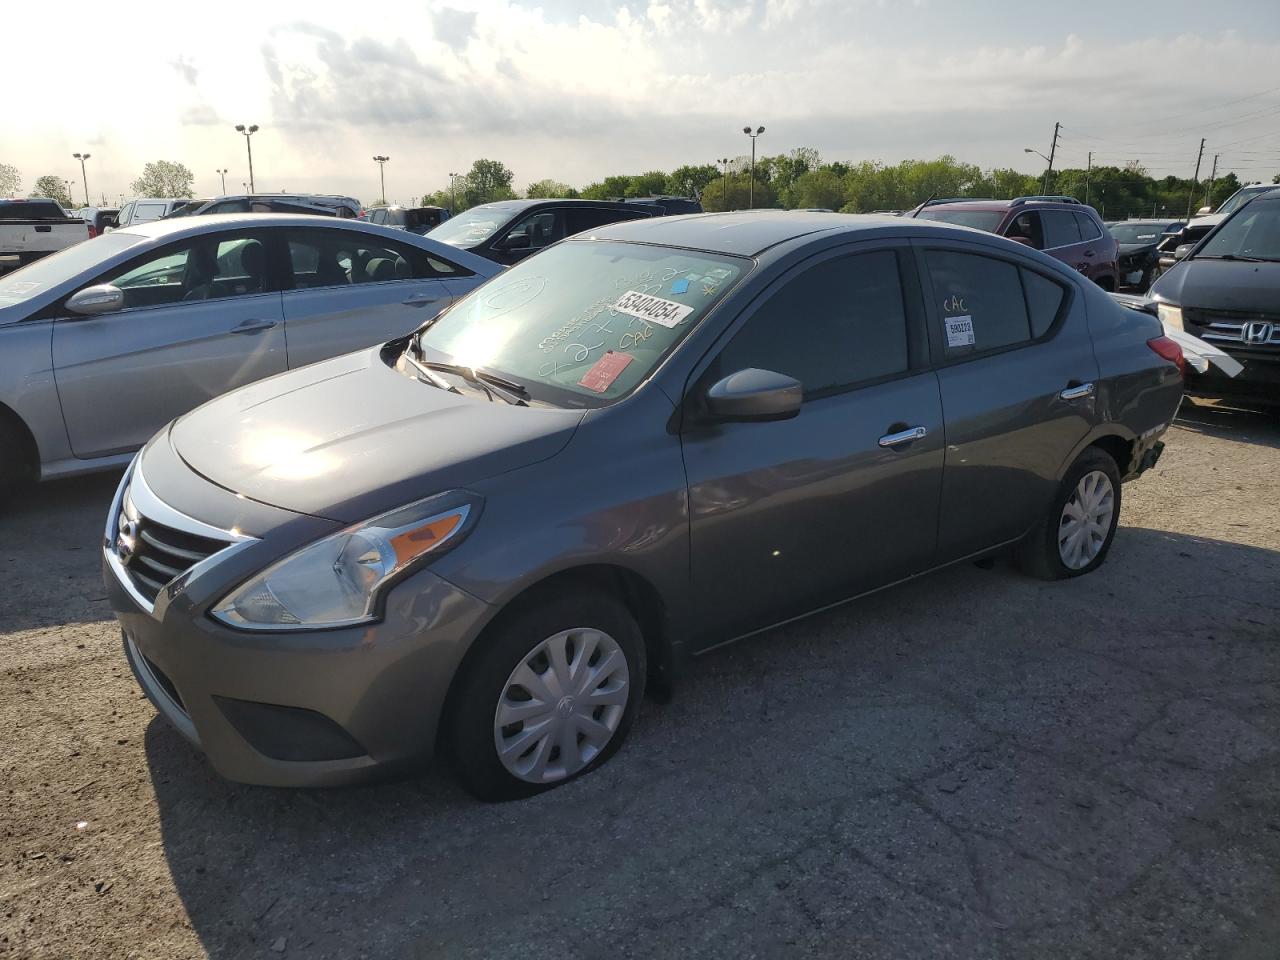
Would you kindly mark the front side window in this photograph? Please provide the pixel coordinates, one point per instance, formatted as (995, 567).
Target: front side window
(208, 268)
(1027, 226)
(980, 302)
(534, 232)
(149, 211)
(332, 258)
(41, 275)
(839, 323)
(586, 321)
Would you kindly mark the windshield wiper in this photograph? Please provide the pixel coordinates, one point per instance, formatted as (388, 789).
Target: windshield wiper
(490, 383)
(1235, 256)
(426, 373)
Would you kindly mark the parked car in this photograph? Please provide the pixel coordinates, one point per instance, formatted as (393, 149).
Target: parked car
(509, 231)
(1138, 240)
(492, 535)
(325, 205)
(1226, 291)
(98, 219)
(419, 220)
(145, 210)
(34, 228)
(102, 344)
(1232, 203)
(1063, 227)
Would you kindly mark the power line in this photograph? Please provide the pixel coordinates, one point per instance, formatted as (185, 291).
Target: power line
(1190, 113)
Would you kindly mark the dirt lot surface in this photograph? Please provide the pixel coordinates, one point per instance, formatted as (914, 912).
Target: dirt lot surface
(973, 765)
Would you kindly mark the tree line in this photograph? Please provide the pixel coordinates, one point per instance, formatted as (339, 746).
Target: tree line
(801, 179)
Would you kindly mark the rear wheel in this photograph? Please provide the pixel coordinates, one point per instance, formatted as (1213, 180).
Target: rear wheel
(552, 695)
(1077, 531)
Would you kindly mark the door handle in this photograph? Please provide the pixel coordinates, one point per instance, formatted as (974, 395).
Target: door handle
(421, 300)
(1077, 391)
(253, 326)
(1088, 253)
(903, 436)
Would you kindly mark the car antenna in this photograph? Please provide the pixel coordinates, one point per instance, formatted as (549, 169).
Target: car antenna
(932, 197)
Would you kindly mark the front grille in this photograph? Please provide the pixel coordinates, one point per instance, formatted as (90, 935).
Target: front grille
(161, 554)
(1237, 328)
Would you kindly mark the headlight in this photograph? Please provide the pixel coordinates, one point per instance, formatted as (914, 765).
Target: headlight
(1169, 315)
(337, 581)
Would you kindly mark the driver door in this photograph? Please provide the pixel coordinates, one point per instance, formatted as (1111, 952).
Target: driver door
(535, 232)
(787, 516)
(201, 317)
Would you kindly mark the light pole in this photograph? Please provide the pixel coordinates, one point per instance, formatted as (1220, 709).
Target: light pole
(381, 161)
(248, 132)
(751, 190)
(1044, 184)
(222, 172)
(82, 157)
(68, 188)
(453, 194)
(724, 182)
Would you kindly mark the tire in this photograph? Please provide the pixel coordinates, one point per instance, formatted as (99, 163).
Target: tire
(593, 630)
(16, 469)
(1048, 552)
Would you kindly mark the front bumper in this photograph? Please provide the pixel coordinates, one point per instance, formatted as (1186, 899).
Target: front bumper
(1258, 382)
(305, 709)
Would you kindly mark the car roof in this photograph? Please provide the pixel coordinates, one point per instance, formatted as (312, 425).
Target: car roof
(569, 202)
(183, 226)
(751, 232)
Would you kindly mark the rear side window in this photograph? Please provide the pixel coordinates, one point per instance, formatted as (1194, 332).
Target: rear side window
(578, 220)
(1088, 229)
(839, 323)
(335, 258)
(980, 301)
(1060, 229)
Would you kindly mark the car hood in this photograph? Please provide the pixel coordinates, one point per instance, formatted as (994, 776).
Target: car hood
(349, 438)
(1220, 285)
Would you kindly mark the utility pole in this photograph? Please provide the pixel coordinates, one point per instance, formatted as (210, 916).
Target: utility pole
(1195, 180)
(724, 182)
(1208, 194)
(1087, 171)
(1053, 150)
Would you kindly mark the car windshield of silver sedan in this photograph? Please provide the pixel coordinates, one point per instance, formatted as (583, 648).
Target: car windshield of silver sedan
(1253, 234)
(584, 322)
(36, 278)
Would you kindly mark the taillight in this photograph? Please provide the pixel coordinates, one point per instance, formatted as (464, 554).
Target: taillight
(1170, 351)
(93, 232)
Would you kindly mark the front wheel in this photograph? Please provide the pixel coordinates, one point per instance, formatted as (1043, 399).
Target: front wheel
(1078, 529)
(552, 695)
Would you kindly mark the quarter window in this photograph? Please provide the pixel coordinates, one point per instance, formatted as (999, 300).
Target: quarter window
(1044, 300)
(839, 323)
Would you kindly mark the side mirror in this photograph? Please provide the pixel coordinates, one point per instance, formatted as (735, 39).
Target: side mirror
(1181, 251)
(755, 395)
(514, 241)
(1204, 210)
(101, 298)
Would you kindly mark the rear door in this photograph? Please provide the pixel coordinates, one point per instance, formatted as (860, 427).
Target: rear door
(1099, 250)
(1062, 239)
(201, 318)
(346, 290)
(1018, 377)
(841, 498)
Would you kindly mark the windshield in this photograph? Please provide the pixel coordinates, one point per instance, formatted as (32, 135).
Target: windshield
(584, 321)
(1254, 234)
(1138, 232)
(36, 278)
(987, 220)
(475, 225)
(1241, 197)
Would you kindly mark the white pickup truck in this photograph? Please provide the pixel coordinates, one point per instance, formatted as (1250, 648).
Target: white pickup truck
(35, 228)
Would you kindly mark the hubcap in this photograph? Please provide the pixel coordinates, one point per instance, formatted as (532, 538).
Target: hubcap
(561, 705)
(1086, 520)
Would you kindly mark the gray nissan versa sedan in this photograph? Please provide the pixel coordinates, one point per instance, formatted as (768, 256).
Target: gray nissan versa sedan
(486, 538)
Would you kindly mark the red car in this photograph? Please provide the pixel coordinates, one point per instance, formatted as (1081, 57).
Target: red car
(1062, 227)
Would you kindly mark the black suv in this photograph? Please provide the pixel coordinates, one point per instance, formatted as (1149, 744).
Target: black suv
(1227, 292)
(510, 230)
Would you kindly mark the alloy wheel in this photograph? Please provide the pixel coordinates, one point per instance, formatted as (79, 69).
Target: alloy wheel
(561, 705)
(1086, 520)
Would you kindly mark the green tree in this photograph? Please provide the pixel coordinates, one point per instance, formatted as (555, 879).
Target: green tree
(55, 188)
(487, 181)
(549, 190)
(10, 180)
(738, 194)
(691, 181)
(164, 178)
(441, 198)
(821, 188)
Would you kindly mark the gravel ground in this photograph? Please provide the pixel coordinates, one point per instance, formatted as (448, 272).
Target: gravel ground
(972, 765)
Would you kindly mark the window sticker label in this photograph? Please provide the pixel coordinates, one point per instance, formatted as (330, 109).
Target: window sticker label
(665, 313)
(959, 331)
(680, 286)
(604, 371)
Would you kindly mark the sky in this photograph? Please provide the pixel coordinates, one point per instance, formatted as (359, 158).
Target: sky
(579, 90)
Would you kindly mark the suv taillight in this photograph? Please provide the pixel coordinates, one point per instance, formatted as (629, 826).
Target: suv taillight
(1170, 351)
(93, 232)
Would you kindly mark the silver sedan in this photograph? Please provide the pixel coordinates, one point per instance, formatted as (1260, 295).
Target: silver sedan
(107, 341)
